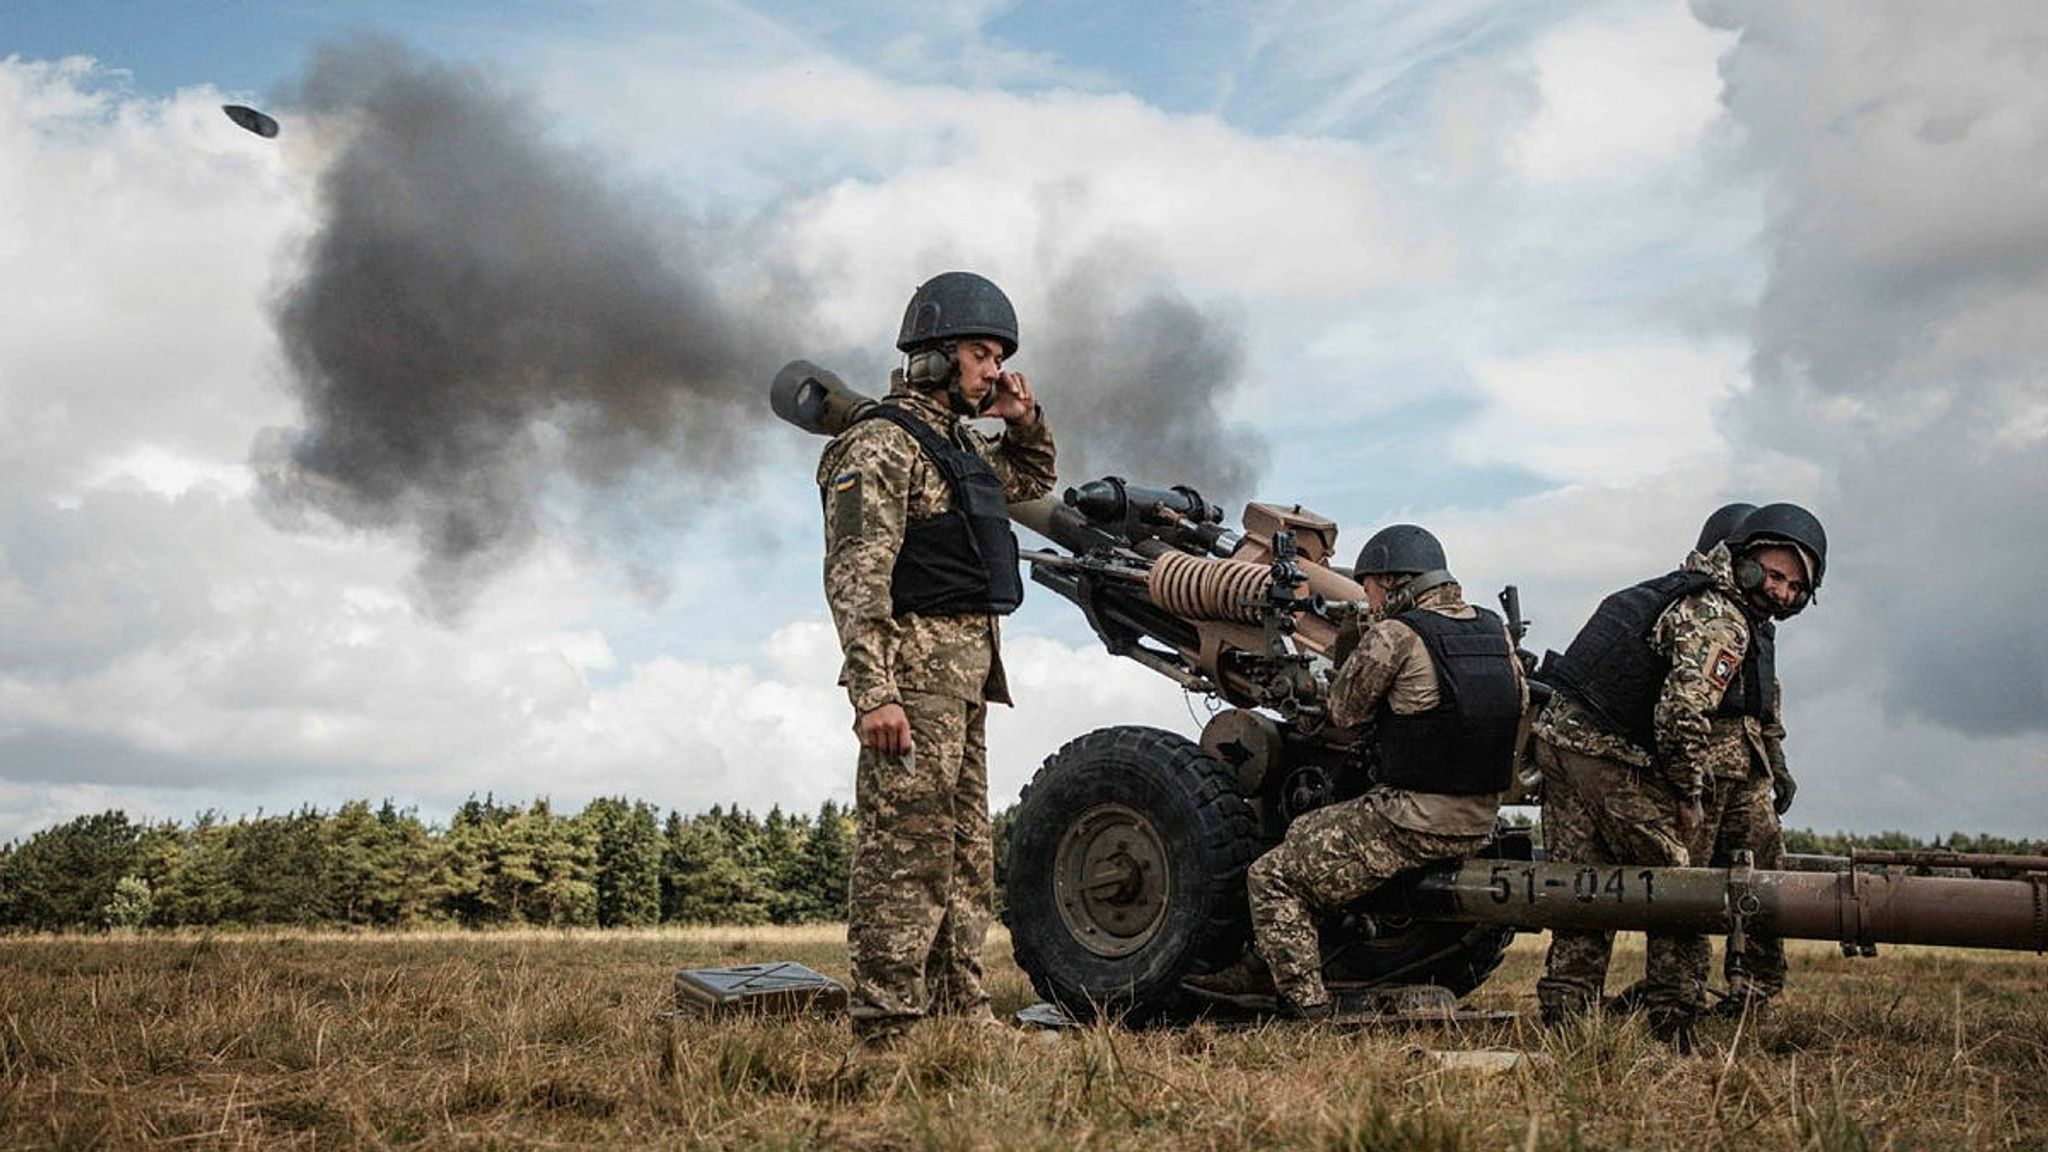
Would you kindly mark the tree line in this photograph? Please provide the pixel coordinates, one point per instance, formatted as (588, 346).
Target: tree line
(617, 863)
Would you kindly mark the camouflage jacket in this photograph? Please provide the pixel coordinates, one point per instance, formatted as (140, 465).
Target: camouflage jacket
(1391, 663)
(1739, 747)
(1704, 635)
(875, 481)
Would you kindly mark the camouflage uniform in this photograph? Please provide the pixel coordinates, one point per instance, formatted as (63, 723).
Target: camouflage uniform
(1338, 853)
(922, 882)
(1608, 800)
(1747, 757)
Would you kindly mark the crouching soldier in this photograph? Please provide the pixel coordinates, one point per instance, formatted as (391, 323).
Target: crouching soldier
(1440, 680)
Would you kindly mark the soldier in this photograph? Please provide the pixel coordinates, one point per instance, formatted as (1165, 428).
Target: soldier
(1441, 683)
(1750, 787)
(1627, 744)
(919, 564)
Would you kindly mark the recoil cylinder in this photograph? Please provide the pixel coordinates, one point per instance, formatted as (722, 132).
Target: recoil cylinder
(1197, 589)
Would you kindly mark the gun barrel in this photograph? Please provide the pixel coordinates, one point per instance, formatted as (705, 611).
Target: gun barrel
(1855, 907)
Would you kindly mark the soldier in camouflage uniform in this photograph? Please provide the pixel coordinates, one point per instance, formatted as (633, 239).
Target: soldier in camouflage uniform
(1749, 787)
(919, 565)
(1752, 787)
(1440, 680)
(1626, 744)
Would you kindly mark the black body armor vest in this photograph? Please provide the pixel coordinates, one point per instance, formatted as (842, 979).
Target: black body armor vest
(962, 562)
(1465, 746)
(1752, 691)
(1614, 672)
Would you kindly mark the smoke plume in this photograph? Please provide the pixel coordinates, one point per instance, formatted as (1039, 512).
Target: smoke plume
(1136, 382)
(481, 310)
(488, 330)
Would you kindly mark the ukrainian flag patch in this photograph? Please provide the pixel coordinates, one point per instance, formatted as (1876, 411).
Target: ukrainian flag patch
(846, 482)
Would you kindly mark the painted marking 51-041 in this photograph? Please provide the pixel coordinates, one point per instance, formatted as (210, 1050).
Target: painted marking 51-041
(1509, 884)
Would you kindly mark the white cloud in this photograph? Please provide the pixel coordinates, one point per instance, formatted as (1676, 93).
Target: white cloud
(1621, 92)
(1612, 416)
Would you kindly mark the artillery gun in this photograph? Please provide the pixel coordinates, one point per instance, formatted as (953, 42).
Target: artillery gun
(1129, 846)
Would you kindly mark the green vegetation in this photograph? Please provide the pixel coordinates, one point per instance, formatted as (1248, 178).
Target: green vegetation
(615, 864)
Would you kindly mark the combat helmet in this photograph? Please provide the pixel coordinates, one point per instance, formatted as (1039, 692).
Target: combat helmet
(1781, 524)
(955, 305)
(1722, 524)
(1409, 552)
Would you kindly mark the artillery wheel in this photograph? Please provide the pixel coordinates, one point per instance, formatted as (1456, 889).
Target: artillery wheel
(1126, 872)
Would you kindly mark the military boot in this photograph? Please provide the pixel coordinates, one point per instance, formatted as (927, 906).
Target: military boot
(1674, 1027)
(1628, 1000)
(1246, 984)
(1744, 1000)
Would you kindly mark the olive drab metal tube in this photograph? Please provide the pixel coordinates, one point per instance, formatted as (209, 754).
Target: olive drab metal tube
(1854, 907)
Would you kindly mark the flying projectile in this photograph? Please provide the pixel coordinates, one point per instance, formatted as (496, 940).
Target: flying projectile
(251, 119)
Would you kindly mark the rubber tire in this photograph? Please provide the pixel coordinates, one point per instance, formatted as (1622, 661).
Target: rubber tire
(1209, 834)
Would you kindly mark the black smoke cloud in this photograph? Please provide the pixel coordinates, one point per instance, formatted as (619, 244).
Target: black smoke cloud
(486, 320)
(1900, 339)
(1136, 379)
(481, 311)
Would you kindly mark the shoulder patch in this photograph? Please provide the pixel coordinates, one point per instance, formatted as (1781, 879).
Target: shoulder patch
(843, 505)
(1722, 665)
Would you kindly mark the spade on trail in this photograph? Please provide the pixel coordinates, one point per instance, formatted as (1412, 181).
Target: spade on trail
(251, 119)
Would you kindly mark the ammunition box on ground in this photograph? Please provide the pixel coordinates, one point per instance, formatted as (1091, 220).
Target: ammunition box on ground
(781, 988)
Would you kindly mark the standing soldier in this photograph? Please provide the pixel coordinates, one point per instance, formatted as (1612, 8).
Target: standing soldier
(1626, 744)
(919, 564)
(1440, 680)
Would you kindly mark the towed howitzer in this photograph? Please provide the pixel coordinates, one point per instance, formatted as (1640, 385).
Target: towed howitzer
(1129, 846)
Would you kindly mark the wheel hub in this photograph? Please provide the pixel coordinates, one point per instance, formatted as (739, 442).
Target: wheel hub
(1111, 881)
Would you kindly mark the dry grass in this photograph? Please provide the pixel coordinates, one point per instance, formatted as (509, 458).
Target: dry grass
(565, 1040)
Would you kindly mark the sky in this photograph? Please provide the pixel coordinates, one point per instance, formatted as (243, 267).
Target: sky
(422, 451)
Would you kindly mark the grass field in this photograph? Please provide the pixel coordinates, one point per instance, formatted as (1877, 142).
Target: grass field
(548, 1040)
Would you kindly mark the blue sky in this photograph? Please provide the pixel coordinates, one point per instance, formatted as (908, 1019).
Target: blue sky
(1554, 280)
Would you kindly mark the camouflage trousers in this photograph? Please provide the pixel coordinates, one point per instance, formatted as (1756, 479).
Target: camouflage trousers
(1330, 857)
(1740, 817)
(922, 879)
(1599, 811)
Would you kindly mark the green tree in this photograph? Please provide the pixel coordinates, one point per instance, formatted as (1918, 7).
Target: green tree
(64, 877)
(629, 858)
(817, 889)
(278, 869)
(197, 889)
(131, 904)
(708, 883)
(463, 884)
(560, 854)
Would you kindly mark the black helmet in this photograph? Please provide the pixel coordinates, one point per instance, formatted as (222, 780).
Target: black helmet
(1721, 525)
(1787, 524)
(1400, 549)
(953, 305)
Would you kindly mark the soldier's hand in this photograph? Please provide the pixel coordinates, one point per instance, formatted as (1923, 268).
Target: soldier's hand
(886, 730)
(1782, 788)
(1013, 399)
(1691, 814)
